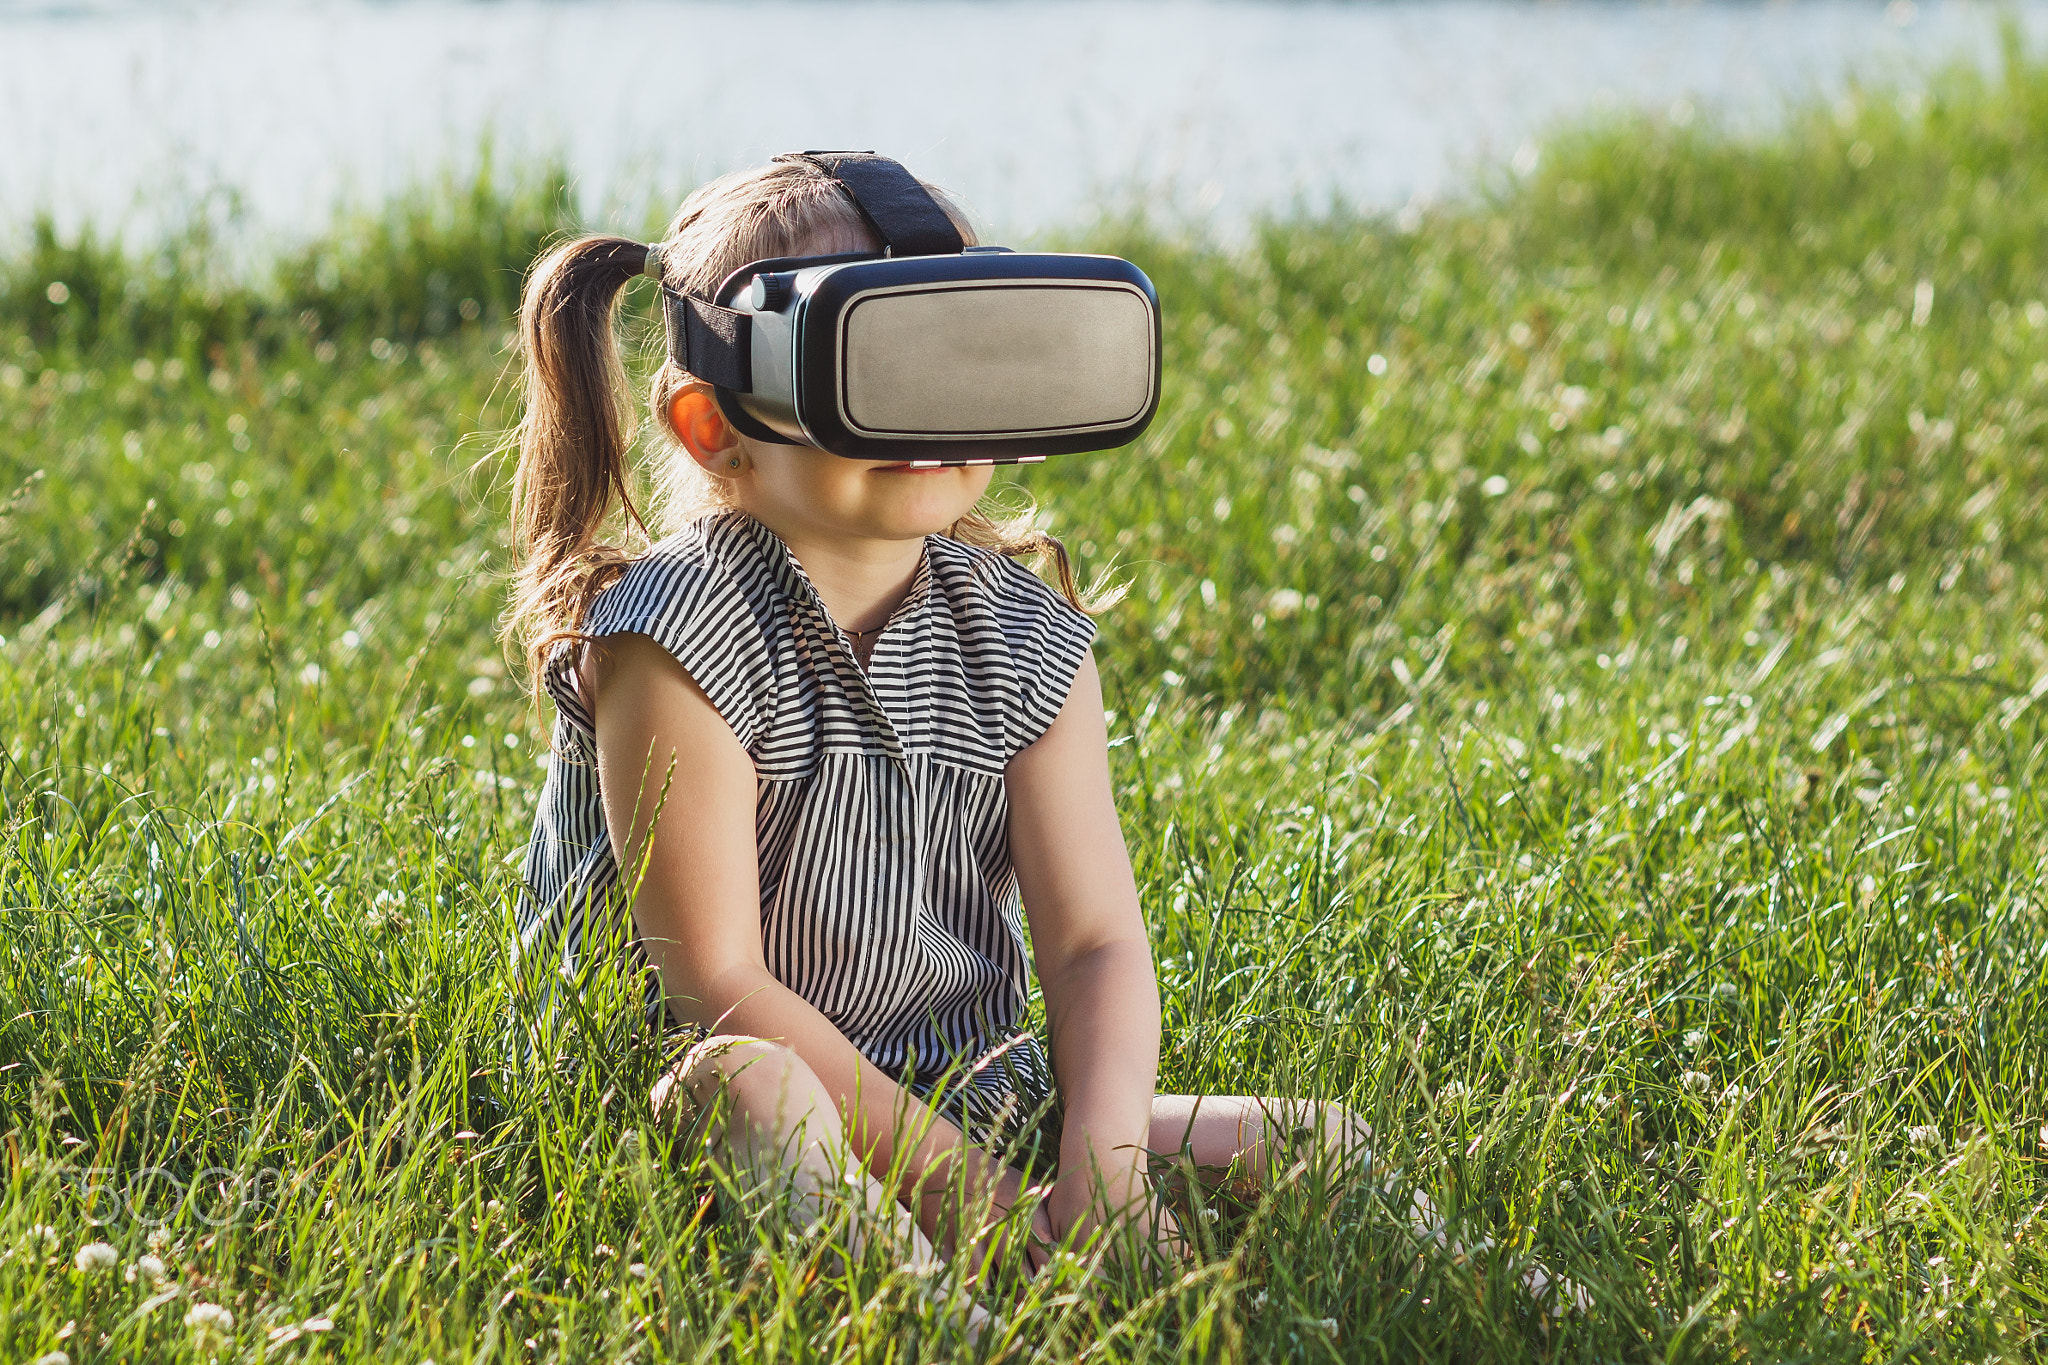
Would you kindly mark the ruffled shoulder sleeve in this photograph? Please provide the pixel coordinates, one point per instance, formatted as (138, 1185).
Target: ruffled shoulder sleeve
(700, 596)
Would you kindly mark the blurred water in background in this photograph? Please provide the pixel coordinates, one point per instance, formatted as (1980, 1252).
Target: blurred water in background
(1040, 113)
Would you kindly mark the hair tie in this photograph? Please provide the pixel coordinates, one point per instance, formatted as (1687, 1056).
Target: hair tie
(651, 267)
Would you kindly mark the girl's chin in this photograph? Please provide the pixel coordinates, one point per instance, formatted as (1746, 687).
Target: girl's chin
(919, 516)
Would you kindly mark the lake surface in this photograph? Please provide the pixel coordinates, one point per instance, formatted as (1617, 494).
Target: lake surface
(1039, 112)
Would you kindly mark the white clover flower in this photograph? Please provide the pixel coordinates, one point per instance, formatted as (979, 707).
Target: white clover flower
(1328, 1325)
(1697, 1081)
(1565, 1189)
(1210, 1215)
(1734, 1094)
(95, 1258)
(1258, 1301)
(52, 1358)
(159, 1241)
(209, 1320)
(1696, 1039)
(42, 1239)
(387, 911)
(1926, 1138)
(638, 1270)
(149, 1269)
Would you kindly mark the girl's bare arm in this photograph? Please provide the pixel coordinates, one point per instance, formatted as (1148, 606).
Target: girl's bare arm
(1094, 962)
(698, 904)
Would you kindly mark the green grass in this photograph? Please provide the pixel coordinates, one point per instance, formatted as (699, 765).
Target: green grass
(1601, 739)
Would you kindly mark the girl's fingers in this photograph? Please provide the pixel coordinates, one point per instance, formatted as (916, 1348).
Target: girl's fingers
(1039, 1239)
(1001, 1237)
(1171, 1238)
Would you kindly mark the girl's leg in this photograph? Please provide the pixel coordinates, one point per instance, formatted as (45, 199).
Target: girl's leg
(780, 1122)
(1243, 1139)
(1243, 1134)
(1239, 1142)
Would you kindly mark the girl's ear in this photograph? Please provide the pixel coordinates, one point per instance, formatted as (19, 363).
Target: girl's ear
(699, 423)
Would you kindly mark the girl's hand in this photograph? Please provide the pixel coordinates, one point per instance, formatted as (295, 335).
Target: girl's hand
(1097, 1206)
(1166, 1236)
(1040, 1244)
(1030, 1242)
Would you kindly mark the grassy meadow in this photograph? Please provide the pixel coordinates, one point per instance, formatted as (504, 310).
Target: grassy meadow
(1581, 701)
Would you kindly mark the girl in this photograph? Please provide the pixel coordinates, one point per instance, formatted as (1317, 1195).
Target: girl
(866, 732)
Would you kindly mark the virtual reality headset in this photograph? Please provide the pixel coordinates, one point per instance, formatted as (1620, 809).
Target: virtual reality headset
(928, 351)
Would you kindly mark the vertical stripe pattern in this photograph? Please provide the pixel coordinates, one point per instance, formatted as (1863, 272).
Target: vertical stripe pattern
(888, 899)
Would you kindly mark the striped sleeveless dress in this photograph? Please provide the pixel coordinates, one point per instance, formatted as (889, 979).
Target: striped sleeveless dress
(887, 896)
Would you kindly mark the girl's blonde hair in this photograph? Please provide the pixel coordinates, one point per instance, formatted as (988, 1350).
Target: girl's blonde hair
(578, 423)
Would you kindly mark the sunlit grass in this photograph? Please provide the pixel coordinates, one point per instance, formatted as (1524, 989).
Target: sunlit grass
(1580, 703)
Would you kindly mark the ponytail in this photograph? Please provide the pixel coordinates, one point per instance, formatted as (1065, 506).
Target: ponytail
(572, 441)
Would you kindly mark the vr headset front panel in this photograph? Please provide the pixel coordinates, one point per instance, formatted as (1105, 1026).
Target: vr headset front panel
(993, 358)
(1002, 356)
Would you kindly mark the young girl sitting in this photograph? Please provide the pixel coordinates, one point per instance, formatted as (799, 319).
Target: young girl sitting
(842, 746)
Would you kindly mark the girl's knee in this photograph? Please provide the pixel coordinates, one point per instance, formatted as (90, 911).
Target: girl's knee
(1342, 1130)
(1322, 1129)
(705, 1068)
(727, 1056)
(1285, 1133)
(765, 1084)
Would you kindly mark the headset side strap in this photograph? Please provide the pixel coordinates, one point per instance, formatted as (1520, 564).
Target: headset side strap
(901, 211)
(714, 344)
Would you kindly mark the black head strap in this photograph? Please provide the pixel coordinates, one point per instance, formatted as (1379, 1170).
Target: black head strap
(714, 344)
(900, 210)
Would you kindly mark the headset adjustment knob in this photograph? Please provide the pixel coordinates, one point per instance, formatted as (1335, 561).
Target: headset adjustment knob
(771, 292)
